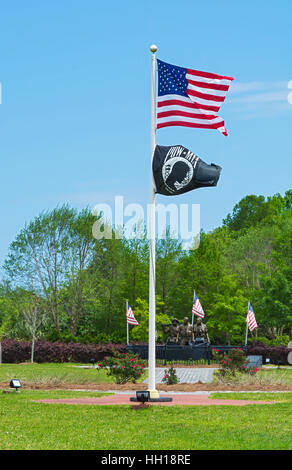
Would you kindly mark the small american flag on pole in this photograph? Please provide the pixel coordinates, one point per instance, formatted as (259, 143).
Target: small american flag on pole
(197, 307)
(250, 319)
(130, 317)
(190, 98)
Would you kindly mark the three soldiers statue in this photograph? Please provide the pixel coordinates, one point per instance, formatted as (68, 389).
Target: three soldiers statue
(185, 333)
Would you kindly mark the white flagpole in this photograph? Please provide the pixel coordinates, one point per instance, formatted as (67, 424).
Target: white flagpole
(193, 315)
(127, 306)
(152, 306)
(246, 333)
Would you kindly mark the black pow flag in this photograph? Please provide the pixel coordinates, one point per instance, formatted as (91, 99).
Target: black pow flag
(177, 170)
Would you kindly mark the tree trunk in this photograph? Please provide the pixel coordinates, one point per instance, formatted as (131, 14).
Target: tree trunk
(32, 349)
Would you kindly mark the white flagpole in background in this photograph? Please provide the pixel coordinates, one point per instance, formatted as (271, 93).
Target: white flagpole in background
(246, 333)
(193, 315)
(152, 307)
(127, 306)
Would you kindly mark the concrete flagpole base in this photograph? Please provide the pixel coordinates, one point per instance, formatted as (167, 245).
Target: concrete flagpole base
(153, 394)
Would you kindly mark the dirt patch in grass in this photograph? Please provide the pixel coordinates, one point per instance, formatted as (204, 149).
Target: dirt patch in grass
(182, 387)
(27, 363)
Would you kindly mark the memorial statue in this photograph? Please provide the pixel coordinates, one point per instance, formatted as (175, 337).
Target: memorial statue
(186, 332)
(200, 332)
(173, 331)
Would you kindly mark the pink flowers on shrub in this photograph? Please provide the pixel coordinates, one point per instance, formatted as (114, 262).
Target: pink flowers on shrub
(124, 367)
(234, 361)
(170, 376)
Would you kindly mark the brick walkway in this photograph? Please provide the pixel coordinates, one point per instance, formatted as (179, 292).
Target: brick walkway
(177, 399)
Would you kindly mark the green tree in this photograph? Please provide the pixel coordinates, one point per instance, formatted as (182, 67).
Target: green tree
(140, 332)
(168, 253)
(249, 255)
(136, 269)
(50, 253)
(107, 269)
(226, 315)
(252, 210)
(198, 270)
(78, 282)
(33, 316)
(39, 257)
(274, 304)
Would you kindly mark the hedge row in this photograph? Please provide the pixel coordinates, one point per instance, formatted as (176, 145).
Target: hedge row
(276, 354)
(45, 351)
(20, 351)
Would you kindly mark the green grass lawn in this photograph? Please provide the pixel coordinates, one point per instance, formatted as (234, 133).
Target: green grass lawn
(69, 373)
(25, 424)
(274, 396)
(54, 374)
(271, 376)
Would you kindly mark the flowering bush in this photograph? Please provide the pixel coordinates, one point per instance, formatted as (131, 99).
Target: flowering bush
(170, 377)
(233, 362)
(124, 367)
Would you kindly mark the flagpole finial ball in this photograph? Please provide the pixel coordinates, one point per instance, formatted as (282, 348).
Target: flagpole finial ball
(153, 48)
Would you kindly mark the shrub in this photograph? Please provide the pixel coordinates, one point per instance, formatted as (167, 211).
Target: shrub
(19, 351)
(170, 377)
(124, 367)
(274, 353)
(232, 363)
(279, 341)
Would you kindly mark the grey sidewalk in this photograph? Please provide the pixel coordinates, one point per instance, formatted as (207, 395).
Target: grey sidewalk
(187, 375)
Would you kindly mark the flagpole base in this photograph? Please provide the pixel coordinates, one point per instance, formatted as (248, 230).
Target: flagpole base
(153, 394)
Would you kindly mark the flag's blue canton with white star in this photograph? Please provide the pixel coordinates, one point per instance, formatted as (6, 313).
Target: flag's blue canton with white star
(171, 79)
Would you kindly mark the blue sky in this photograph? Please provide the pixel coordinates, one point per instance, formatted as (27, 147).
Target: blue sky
(75, 112)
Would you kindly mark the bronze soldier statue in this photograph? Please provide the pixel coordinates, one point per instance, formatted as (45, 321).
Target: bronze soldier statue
(186, 332)
(173, 331)
(200, 331)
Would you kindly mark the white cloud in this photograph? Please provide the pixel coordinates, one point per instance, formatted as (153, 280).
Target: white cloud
(242, 87)
(254, 99)
(268, 97)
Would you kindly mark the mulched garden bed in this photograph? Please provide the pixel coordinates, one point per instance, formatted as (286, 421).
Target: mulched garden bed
(182, 387)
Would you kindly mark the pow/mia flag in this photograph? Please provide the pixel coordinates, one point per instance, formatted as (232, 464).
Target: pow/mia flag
(177, 170)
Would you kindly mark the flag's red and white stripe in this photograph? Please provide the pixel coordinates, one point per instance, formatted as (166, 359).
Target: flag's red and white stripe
(197, 308)
(130, 317)
(250, 319)
(206, 93)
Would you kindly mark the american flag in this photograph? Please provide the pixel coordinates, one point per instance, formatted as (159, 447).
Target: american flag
(197, 308)
(190, 98)
(130, 317)
(250, 319)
